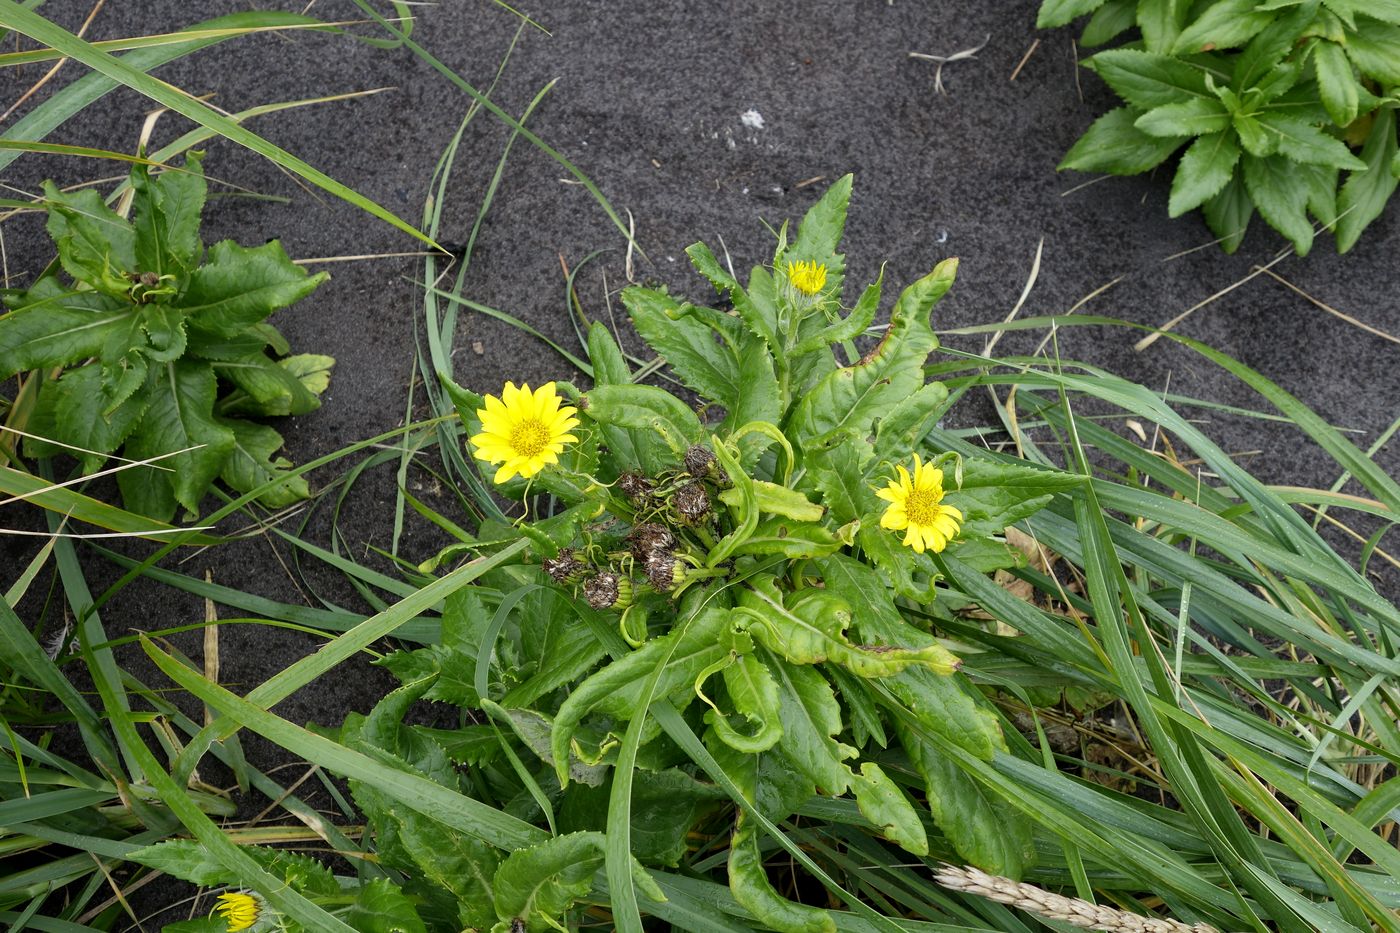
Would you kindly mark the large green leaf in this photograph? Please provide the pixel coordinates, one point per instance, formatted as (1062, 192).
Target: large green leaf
(85, 417)
(851, 398)
(1191, 117)
(1365, 194)
(165, 212)
(535, 886)
(180, 418)
(1205, 169)
(95, 245)
(1336, 82)
(238, 287)
(1302, 142)
(1059, 12)
(380, 906)
(660, 425)
(1113, 144)
(1281, 201)
(1161, 22)
(1228, 214)
(1375, 49)
(1147, 80)
(253, 463)
(1225, 24)
(289, 386)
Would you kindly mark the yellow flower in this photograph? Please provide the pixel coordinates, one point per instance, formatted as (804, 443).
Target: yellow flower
(523, 431)
(807, 277)
(239, 909)
(914, 508)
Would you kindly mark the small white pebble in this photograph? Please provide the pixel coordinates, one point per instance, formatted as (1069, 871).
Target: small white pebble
(752, 119)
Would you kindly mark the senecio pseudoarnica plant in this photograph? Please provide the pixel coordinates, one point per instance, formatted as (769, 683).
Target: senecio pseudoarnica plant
(154, 347)
(755, 560)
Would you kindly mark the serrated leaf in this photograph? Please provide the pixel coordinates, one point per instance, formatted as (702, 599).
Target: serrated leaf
(984, 830)
(819, 234)
(1206, 168)
(882, 802)
(1321, 184)
(180, 418)
(1054, 13)
(1192, 117)
(1161, 22)
(165, 213)
(773, 499)
(851, 398)
(848, 328)
(1262, 64)
(617, 688)
(58, 327)
(84, 416)
(837, 474)
(1146, 80)
(660, 425)
(1228, 214)
(942, 704)
(189, 860)
(1256, 140)
(789, 538)
(288, 386)
(1112, 144)
(380, 906)
(1336, 82)
(707, 265)
(537, 885)
(811, 720)
(1375, 49)
(1304, 143)
(450, 860)
(1364, 194)
(905, 425)
(1109, 22)
(1226, 24)
(95, 245)
(165, 333)
(994, 494)
(236, 287)
(254, 461)
(1281, 202)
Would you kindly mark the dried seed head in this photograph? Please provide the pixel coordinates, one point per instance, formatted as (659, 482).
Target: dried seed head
(665, 572)
(691, 503)
(1071, 910)
(607, 590)
(635, 486)
(566, 568)
(650, 538)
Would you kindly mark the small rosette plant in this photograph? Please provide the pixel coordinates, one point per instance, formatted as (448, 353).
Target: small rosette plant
(759, 565)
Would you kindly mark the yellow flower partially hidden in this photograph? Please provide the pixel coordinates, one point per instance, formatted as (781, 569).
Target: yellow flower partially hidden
(239, 909)
(807, 277)
(523, 431)
(915, 509)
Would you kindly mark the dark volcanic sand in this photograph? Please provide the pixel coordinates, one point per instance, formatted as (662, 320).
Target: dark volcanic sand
(649, 104)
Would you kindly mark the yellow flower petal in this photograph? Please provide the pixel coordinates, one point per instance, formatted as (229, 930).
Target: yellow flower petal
(523, 430)
(915, 507)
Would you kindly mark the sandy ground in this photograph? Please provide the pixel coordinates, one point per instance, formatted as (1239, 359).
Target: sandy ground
(702, 121)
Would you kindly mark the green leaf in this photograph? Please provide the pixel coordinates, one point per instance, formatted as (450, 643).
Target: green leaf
(537, 885)
(944, 705)
(1225, 24)
(905, 426)
(236, 287)
(95, 245)
(1206, 168)
(707, 265)
(811, 719)
(819, 233)
(616, 690)
(1109, 22)
(777, 500)
(180, 418)
(1161, 22)
(754, 695)
(57, 327)
(758, 307)
(1321, 184)
(983, 829)
(1281, 202)
(189, 860)
(1375, 49)
(811, 629)
(1262, 64)
(609, 368)
(995, 494)
(85, 417)
(288, 386)
(1305, 143)
(882, 802)
(1192, 117)
(848, 328)
(382, 907)
(1256, 140)
(665, 806)
(1114, 145)
(660, 425)
(253, 462)
(1228, 214)
(851, 398)
(1054, 13)
(788, 538)
(165, 213)
(1364, 194)
(1336, 82)
(1147, 80)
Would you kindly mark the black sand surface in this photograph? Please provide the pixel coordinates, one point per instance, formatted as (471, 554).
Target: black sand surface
(650, 103)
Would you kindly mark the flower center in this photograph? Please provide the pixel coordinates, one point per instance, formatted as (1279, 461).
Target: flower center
(806, 276)
(529, 437)
(922, 506)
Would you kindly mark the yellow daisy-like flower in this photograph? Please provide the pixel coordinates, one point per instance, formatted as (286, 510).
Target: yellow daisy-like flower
(807, 277)
(915, 509)
(523, 431)
(239, 909)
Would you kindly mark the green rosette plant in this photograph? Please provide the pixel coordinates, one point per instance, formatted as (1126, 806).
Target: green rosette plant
(1286, 107)
(152, 347)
